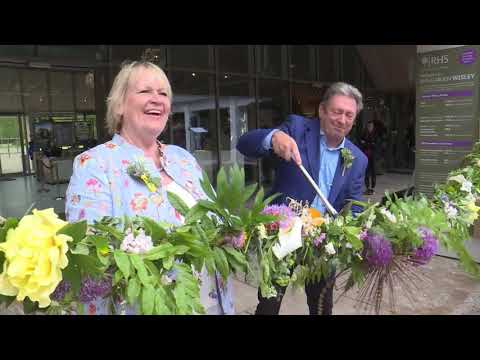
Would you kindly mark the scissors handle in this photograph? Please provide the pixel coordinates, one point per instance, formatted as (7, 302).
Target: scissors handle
(328, 206)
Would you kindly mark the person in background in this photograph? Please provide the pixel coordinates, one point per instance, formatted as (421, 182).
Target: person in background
(368, 144)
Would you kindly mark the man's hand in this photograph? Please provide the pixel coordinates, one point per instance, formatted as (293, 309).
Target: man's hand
(285, 147)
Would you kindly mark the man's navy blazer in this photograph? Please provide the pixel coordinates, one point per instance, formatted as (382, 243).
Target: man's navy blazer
(290, 182)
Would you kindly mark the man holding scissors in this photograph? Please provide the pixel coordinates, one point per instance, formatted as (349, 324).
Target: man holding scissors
(319, 150)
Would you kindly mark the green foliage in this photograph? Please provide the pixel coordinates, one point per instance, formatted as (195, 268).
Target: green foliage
(75, 230)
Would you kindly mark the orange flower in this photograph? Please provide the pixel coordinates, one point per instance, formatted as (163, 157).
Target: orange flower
(316, 217)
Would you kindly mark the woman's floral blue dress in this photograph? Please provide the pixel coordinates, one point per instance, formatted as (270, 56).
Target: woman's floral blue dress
(100, 186)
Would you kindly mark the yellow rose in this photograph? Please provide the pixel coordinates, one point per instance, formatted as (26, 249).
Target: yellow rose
(34, 257)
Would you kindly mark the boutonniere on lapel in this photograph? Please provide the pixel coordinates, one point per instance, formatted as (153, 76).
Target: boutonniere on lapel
(138, 171)
(347, 159)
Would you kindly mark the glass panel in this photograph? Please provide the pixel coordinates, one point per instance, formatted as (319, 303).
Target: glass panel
(302, 62)
(189, 56)
(121, 53)
(10, 100)
(35, 90)
(85, 91)
(10, 145)
(193, 122)
(237, 116)
(306, 99)
(233, 58)
(352, 67)
(61, 91)
(17, 50)
(74, 51)
(270, 60)
(273, 101)
(326, 64)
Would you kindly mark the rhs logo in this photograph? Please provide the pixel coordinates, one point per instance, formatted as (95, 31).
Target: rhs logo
(429, 60)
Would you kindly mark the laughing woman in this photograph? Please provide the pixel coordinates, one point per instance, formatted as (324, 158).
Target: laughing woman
(138, 108)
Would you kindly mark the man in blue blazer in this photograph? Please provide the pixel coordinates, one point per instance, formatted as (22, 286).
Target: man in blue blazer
(317, 145)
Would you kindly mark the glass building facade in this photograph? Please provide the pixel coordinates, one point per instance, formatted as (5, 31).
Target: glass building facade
(219, 93)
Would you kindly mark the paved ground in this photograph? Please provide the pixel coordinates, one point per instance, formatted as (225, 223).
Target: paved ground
(448, 290)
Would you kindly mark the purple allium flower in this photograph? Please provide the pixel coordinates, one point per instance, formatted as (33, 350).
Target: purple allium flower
(61, 290)
(284, 212)
(91, 288)
(378, 250)
(317, 241)
(424, 253)
(363, 235)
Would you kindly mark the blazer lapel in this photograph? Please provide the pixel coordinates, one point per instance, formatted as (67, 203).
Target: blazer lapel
(312, 142)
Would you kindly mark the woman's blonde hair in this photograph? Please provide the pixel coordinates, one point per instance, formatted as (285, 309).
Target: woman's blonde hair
(119, 88)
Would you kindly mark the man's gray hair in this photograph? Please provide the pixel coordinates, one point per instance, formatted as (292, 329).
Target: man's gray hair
(341, 88)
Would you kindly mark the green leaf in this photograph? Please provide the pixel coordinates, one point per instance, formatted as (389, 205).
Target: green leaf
(76, 230)
(159, 252)
(210, 264)
(117, 277)
(148, 300)
(168, 262)
(122, 262)
(72, 273)
(236, 259)
(154, 230)
(177, 203)
(80, 249)
(248, 192)
(141, 269)
(29, 306)
(10, 223)
(89, 265)
(221, 262)
(7, 300)
(152, 268)
(110, 230)
(101, 243)
(161, 307)
(2, 259)
(222, 187)
(133, 290)
(195, 213)
(209, 205)
(207, 187)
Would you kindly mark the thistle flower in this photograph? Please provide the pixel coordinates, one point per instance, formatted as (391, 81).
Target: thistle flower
(91, 289)
(378, 250)
(61, 290)
(283, 212)
(237, 241)
(424, 253)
